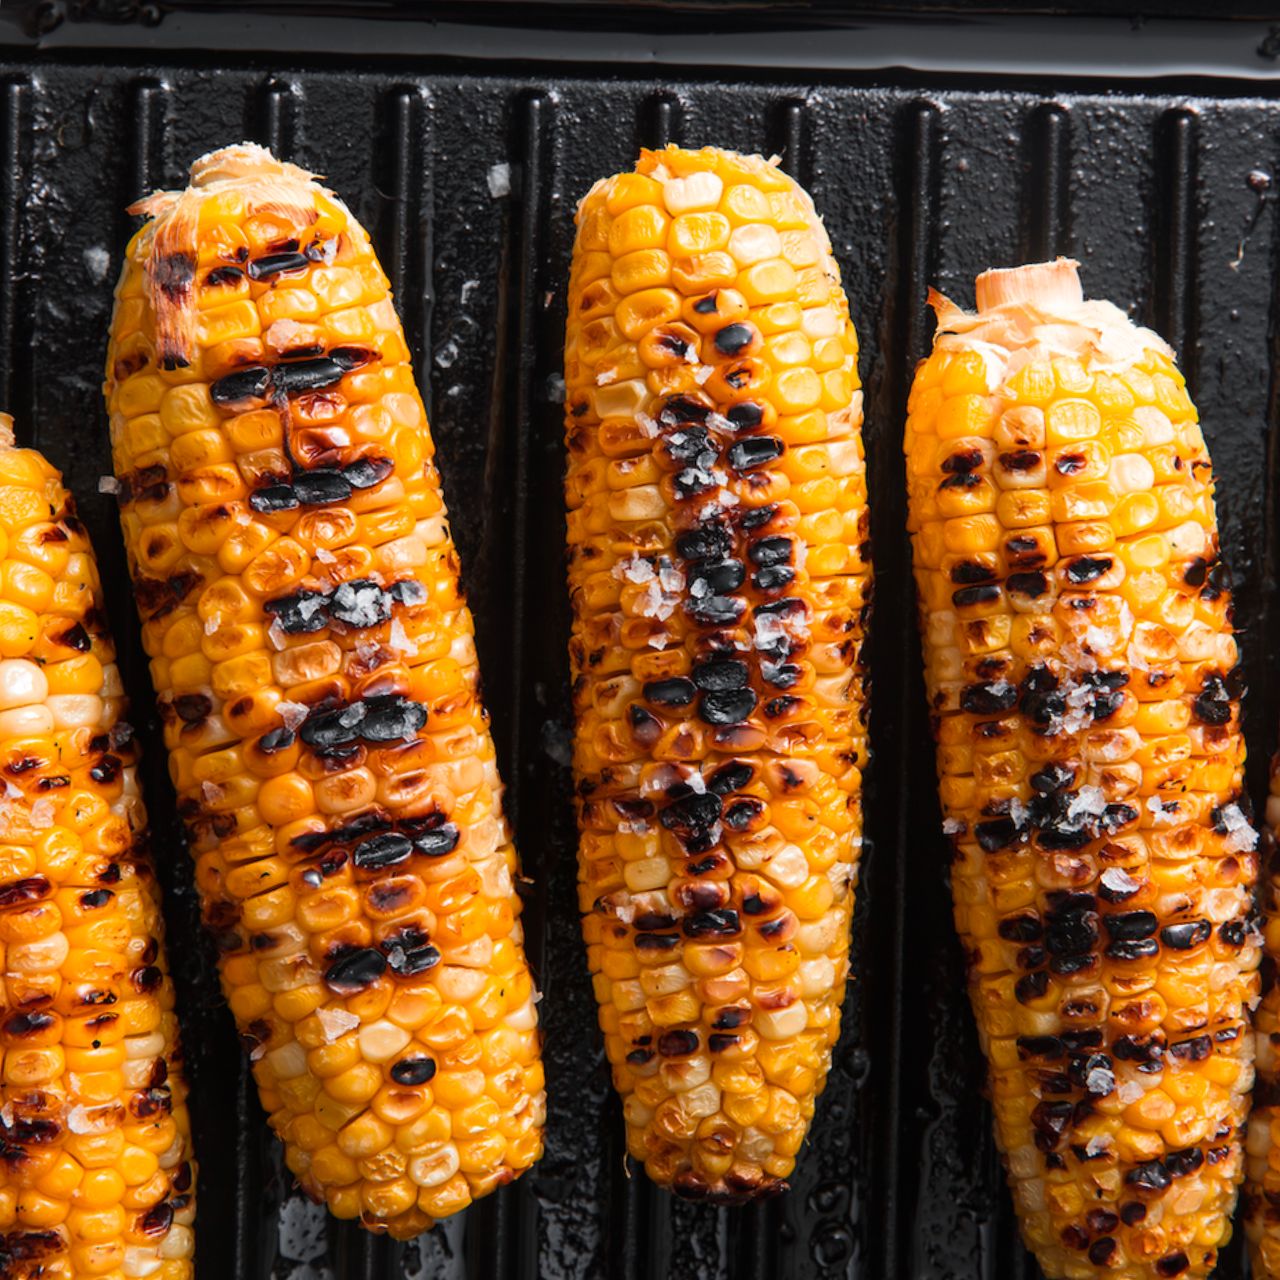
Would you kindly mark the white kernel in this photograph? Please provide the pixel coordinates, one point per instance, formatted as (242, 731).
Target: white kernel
(1188, 539)
(788, 867)
(754, 242)
(21, 683)
(288, 1061)
(819, 322)
(701, 1101)
(816, 977)
(22, 722)
(75, 710)
(1131, 473)
(382, 1040)
(1155, 424)
(525, 1018)
(140, 1260)
(431, 1170)
(179, 1243)
(44, 956)
(150, 1045)
(781, 1024)
(696, 192)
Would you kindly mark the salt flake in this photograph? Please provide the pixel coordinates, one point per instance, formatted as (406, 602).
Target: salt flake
(336, 1023)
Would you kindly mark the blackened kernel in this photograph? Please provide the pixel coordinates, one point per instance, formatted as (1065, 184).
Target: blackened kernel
(989, 699)
(276, 740)
(754, 451)
(730, 777)
(745, 415)
(1020, 928)
(734, 338)
(1049, 1048)
(967, 573)
(1068, 464)
(962, 460)
(718, 1042)
(413, 1071)
(1173, 1264)
(729, 706)
(250, 383)
(435, 842)
(381, 851)
(721, 922)
(1086, 568)
(718, 578)
(674, 692)
(1184, 936)
(96, 898)
(640, 1057)
(220, 276)
(1100, 1251)
(710, 541)
(716, 611)
(354, 970)
(984, 593)
(720, 673)
(770, 551)
(677, 1043)
(1125, 926)
(321, 487)
(274, 264)
(1031, 987)
(1132, 1213)
(773, 579)
(742, 813)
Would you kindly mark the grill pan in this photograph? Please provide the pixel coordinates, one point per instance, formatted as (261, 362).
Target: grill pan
(934, 149)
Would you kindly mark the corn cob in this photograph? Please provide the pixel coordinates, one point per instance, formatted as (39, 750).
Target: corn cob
(1079, 663)
(96, 1176)
(314, 663)
(1262, 1149)
(719, 574)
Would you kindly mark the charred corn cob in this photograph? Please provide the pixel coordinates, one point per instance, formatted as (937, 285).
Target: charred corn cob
(1262, 1150)
(316, 674)
(719, 575)
(1079, 663)
(96, 1176)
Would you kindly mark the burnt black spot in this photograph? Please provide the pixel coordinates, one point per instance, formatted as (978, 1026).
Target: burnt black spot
(754, 451)
(354, 970)
(413, 1071)
(985, 593)
(1182, 937)
(1086, 568)
(734, 338)
(674, 692)
(678, 1043)
(274, 264)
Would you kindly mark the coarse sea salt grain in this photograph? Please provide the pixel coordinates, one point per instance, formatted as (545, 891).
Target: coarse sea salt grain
(336, 1023)
(634, 569)
(952, 827)
(1117, 880)
(108, 484)
(499, 180)
(292, 713)
(1088, 801)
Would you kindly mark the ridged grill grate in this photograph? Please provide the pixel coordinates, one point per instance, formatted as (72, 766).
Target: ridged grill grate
(1170, 202)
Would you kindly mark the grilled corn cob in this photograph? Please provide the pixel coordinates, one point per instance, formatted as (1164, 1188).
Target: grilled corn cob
(1262, 1150)
(719, 574)
(1079, 660)
(96, 1176)
(316, 674)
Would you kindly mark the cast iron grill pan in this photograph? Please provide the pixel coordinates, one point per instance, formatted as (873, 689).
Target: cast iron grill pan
(1169, 199)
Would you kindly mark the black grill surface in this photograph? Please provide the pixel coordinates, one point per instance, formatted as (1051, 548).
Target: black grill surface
(1166, 189)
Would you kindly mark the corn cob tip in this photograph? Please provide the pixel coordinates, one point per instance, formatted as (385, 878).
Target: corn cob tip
(244, 160)
(6, 430)
(1043, 284)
